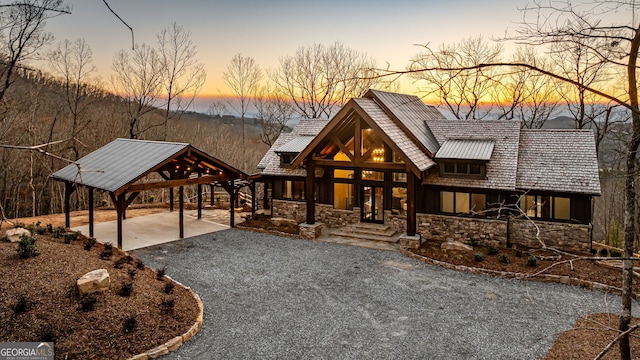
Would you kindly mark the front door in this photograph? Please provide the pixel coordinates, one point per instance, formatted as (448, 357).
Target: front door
(371, 205)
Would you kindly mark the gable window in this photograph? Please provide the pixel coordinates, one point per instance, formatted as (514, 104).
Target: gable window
(293, 190)
(462, 203)
(286, 159)
(470, 169)
(546, 207)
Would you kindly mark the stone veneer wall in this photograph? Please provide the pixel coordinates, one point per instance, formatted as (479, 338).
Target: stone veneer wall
(569, 237)
(396, 222)
(297, 210)
(453, 228)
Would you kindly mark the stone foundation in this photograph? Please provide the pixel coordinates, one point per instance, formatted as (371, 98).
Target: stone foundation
(410, 242)
(310, 232)
(396, 222)
(453, 228)
(332, 218)
(568, 237)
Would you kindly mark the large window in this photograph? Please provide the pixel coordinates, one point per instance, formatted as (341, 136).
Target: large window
(343, 196)
(546, 207)
(462, 203)
(293, 190)
(399, 200)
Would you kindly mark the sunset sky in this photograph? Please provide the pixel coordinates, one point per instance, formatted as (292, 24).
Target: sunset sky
(266, 30)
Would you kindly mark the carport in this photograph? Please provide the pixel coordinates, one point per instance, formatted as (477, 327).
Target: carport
(121, 168)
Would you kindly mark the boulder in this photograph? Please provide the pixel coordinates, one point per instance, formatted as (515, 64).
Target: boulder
(13, 235)
(456, 245)
(94, 281)
(280, 221)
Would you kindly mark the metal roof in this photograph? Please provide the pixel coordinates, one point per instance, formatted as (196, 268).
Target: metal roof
(295, 145)
(124, 161)
(466, 149)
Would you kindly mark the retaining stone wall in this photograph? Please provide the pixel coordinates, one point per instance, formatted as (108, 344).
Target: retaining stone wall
(569, 237)
(452, 228)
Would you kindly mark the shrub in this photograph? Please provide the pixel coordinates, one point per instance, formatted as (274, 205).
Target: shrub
(21, 306)
(108, 246)
(594, 251)
(604, 252)
(126, 289)
(478, 257)
(532, 260)
(68, 238)
(504, 259)
(50, 228)
(168, 288)
(474, 242)
(247, 217)
(118, 263)
(58, 232)
(518, 253)
(40, 230)
(151, 199)
(160, 273)
(167, 305)
(89, 243)
(132, 273)
(87, 303)
(103, 202)
(27, 247)
(492, 250)
(106, 254)
(615, 253)
(130, 324)
(18, 224)
(139, 264)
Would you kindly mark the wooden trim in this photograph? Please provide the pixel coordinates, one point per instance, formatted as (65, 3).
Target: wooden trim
(343, 147)
(361, 165)
(175, 183)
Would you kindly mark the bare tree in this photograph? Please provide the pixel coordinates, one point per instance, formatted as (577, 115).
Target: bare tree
(274, 110)
(318, 79)
(243, 76)
(182, 74)
(137, 78)
(466, 93)
(217, 109)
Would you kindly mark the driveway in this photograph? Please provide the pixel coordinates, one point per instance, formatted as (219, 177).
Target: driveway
(271, 297)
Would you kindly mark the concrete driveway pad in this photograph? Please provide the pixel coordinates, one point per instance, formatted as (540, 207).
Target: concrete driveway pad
(271, 297)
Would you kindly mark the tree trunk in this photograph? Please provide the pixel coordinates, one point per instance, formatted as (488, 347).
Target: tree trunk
(630, 202)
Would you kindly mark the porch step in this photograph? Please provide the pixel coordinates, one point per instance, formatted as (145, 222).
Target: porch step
(364, 231)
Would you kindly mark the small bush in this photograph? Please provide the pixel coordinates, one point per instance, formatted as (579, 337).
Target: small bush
(126, 289)
(518, 253)
(160, 273)
(139, 264)
(504, 259)
(247, 217)
(18, 224)
(21, 306)
(119, 263)
(103, 202)
(87, 303)
(474, 242)
(130, 324)
(91, 242)
(478, 257)
(132, 273)
(106, 254)
(27, 247)
(532, 261)
(168, 288)
(615, 253)
(604, 252)
(151, 199)
(68, 238)
(50, 228)
(40, 230)
(167, 305)
(594, 251)
(108, 246)
(492, 250)
(58, 232)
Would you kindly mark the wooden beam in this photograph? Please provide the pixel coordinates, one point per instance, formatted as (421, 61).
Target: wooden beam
(176, 183)
(412, 181)
(361, 165)
(119, 203)
(342, 147)
(91, 212)
(128, 202)
(199, 201)
(170, 199)
(309, 192)
(181, 204)
(232, 192)
(69, 188)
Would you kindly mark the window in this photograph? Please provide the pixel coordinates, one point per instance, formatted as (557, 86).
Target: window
(372, 175)
(475, 170)
(343, 196)
(546, 207)
(399, 177)
(286, 159)
(293, 190)
(342, 174)
(462, 203)
(399, 200)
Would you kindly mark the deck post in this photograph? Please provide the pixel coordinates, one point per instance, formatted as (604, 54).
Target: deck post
(309, 192)
(120, 205)
(91, 212)
(411, 204)
(181, 210)
(171, 199)
(199, 201)
(232, 201)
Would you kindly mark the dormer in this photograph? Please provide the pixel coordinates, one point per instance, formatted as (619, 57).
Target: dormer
(464, 158)
(291, 149)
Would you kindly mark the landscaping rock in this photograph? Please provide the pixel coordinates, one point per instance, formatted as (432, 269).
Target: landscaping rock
(94, 281)
(13, 235)
(280, 221)
(456, 245)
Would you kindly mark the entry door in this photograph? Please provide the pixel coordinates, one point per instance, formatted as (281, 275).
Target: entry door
(371, 206)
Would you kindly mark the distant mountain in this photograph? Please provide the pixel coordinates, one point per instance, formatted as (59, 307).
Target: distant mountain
(560, 122)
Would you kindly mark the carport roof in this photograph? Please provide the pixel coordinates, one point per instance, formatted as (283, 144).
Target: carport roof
(124, 161)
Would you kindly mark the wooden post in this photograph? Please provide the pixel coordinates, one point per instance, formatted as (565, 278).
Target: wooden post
(232, 201)
(171, 199)
(309, 192)
(253, 199)
(91, 212)
(199, 201)
(181, 204)
(265, 196)
(213, 194)
(120, 205)
(68, 190)
(411, 204)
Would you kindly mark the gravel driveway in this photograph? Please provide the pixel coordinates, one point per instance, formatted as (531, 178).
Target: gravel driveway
(280, 298)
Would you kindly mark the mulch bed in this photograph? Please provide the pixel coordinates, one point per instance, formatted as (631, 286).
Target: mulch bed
(267, 225)
(582, 269)
(53, 313)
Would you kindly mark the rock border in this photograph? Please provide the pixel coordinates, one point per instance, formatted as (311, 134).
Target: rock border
(176, 342)
(567, 280)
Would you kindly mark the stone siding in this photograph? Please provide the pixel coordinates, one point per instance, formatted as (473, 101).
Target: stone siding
(569, 237)
(297, 210)
(396, 222)
(453, 228)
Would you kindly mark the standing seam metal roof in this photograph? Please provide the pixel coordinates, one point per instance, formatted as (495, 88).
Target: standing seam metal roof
(466, 149)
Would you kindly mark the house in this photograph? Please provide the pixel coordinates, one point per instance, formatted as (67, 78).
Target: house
(388, 158)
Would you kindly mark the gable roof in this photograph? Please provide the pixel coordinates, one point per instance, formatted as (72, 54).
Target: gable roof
(411, 114)
(558, 160)
(124, 161)
(270, 162)
(500, 169)
(466, 149)
(295, 145)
